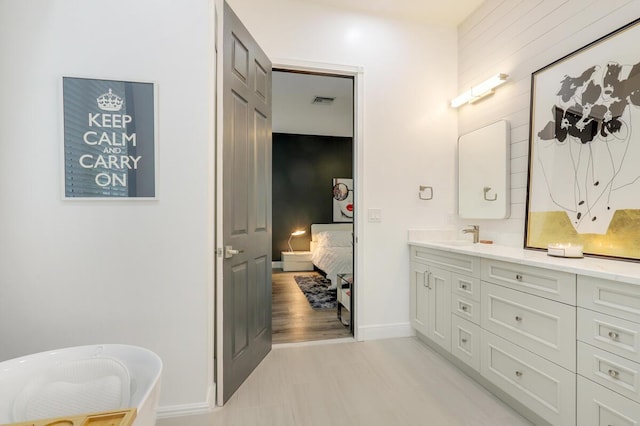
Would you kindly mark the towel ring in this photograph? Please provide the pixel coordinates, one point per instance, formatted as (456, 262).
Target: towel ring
(424, 188)
(487, 189)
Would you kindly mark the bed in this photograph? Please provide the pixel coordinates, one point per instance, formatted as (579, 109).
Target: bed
(332, 249)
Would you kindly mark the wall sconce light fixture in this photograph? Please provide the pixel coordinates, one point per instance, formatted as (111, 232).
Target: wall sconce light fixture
(479, 91)
(294, 234)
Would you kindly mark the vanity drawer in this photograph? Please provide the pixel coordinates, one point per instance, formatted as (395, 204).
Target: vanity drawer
(465, 341)
(610, 297)
(544, 387)
(610, 333)
(465, 308)
(611, 371)
(540, 325)
(466, 286)
(555, 285)
(598, 406)
(453, 262)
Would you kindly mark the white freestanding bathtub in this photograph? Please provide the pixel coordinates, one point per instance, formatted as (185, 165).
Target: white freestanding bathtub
(79, 380)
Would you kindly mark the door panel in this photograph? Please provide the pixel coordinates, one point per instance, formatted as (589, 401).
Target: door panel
(440, 307)
(262, 172)
(420, 298)
(263, 297)
(240, 294)
(246, 129)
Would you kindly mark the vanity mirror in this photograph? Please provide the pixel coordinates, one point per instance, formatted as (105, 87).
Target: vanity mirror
(483, 173)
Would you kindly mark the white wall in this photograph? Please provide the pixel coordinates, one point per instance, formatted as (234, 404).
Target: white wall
(82, 272)
(409, 132)
(519, 38)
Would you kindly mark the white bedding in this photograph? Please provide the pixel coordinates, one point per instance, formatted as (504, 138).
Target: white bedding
(332, 249)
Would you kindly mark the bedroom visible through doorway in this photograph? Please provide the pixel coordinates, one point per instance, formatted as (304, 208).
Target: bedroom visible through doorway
(313, 206)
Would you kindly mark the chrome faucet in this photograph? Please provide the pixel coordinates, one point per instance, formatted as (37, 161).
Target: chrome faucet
(475, 230)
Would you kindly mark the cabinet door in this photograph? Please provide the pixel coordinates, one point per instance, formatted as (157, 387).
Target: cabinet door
(465, 341)
(610, 297)
(598, 406)
(554, 285)
(439, 326)
(612, 371)
(465, 308)
(419, 297)
(610, 333)
(543, 386)
(540, 325)
(465, 286)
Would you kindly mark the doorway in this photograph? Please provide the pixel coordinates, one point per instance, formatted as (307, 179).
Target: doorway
(313, 150)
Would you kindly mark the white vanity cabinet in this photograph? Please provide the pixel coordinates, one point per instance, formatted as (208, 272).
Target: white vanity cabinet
(433, 276)
(529, 336)
(445, 299)
(514, 325)
(558, 339)
(608, 352)
(430, 302)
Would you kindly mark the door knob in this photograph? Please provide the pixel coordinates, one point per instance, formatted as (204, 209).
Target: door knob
(229, 252)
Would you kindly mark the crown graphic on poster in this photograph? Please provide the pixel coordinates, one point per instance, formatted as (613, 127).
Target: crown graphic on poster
(109, 101)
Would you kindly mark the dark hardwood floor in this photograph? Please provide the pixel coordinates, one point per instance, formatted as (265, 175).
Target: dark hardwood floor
(293, 319)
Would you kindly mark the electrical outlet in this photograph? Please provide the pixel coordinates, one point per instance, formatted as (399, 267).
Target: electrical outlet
(375, 215)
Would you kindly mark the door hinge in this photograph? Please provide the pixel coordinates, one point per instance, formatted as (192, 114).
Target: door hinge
(219, 252)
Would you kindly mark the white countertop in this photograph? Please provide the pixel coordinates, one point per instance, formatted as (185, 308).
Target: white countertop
(617, 270)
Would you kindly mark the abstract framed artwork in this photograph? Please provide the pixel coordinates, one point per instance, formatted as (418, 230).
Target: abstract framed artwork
(342, 200)
(584, 155)
(110, 139)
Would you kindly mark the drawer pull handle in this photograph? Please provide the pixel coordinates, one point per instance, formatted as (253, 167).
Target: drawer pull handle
(465, 308)
(614, 373)
(518, 318)
(518, 373)
(464, 340)
(518, 277)
(464, 286)
(613, 335)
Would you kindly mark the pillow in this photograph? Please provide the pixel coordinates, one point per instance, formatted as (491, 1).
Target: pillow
(334, 239)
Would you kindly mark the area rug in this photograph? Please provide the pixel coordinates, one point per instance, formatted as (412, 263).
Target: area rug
(316, 289)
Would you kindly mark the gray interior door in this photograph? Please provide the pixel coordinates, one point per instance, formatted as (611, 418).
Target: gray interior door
(246, 204)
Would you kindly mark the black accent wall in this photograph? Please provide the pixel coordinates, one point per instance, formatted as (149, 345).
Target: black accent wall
(303, 170)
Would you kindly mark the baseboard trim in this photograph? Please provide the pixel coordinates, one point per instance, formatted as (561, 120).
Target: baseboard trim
(183, 410)
(385, 331)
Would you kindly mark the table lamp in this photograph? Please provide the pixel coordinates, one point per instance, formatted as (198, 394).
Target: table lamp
(294, 234)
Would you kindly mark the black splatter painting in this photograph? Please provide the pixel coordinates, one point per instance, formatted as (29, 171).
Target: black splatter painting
(589, 128)
(598, 105)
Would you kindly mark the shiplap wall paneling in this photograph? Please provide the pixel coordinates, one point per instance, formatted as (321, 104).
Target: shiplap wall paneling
(518, 38)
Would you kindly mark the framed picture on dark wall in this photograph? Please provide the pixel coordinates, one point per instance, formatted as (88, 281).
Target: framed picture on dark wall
(342, 199)
(584, 155)
(110, 148)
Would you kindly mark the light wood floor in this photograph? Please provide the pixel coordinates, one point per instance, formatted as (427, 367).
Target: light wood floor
(380, 382)
(293, 318)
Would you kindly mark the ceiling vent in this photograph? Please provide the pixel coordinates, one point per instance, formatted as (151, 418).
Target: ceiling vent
(323, 100)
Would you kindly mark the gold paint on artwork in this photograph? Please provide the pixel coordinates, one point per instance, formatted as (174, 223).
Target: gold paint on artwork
(621, 240)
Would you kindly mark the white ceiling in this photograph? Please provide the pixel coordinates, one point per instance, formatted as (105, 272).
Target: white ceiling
(294, 112)
(445, 11)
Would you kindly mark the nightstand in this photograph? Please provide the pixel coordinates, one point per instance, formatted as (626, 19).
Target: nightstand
(296, 261)
(345, 287)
